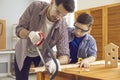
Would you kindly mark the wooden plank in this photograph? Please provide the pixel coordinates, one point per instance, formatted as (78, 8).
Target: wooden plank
(42, 69)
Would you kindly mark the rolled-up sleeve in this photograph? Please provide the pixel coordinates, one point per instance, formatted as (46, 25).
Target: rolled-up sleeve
(25, 19)
(63, 43)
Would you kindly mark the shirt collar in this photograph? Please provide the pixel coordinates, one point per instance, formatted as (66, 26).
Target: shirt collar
(43, 11)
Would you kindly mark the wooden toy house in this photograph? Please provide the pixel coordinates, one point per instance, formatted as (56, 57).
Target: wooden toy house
(111, 55)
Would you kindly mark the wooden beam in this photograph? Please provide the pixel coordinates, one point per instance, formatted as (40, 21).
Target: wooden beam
(41, 69)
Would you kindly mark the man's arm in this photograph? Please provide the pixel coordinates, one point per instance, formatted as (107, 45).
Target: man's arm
(23, 26)
(62, 46)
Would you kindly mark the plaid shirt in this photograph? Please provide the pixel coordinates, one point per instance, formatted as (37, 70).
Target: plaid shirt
(33, 19)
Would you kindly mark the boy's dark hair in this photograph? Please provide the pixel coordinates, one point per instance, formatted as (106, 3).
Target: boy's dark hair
(69, 5)
(85, 18)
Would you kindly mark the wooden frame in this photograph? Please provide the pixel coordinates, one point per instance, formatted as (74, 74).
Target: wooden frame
(2, 34)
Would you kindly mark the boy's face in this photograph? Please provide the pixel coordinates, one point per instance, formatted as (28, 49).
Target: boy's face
(80, 29)
(57, 12)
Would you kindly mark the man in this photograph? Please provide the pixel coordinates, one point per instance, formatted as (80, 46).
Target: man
(41, 17)
(82, 45)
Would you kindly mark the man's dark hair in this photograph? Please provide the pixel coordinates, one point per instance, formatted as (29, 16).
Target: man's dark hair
(85, 18)
(69, 5)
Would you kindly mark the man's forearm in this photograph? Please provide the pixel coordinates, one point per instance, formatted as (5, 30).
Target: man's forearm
(23, 33)
(64, 59)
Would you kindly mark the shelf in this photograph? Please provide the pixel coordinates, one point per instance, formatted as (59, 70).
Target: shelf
(14, 37)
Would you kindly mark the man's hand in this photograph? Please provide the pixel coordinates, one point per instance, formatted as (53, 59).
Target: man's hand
(36, 37)
(52, 67)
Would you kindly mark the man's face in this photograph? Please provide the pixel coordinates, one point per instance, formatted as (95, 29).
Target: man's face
(57, 12)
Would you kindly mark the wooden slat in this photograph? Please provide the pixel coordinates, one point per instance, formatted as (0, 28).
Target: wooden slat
(41, 69)
(97, 30)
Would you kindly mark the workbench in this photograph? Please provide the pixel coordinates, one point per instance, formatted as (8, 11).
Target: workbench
(97, 72)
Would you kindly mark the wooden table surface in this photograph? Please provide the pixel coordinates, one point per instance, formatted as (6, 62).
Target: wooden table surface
(97, 72)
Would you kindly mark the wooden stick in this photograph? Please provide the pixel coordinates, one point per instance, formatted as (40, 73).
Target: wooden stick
(41, 69)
